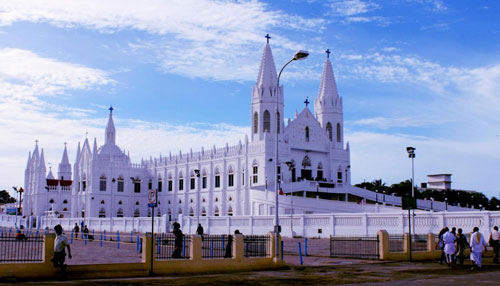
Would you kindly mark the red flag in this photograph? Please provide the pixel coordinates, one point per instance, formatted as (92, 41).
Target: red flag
(281, 191)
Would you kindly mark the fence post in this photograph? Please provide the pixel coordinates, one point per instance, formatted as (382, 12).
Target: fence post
(383, 244)
(239, 247)
(195, 248)
(100, 241)
(48, 250)
(431, 242)
(282, 250)
(305, 246)
(406, 245)
(300, 254)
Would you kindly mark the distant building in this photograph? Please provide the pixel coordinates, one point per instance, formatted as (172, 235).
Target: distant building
(438, 182)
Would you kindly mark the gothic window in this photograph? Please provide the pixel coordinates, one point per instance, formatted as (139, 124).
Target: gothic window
(137, 185)
(51, 201)
(203, 212)
(203, 200)
(255, 122)
(255, 177)
(158, 212)
(192, 181)
(243, 177)
(137, 203)
(102, 202)
(339, 176)
(230, 198)
(120, 203)
(266, 127)
(137, 213)
(216, 199)
(307, 133)
(217, 178)
(230, 177)
(278, 172)
(65, 202)
(216, 211)
(160, 184)
(149, 212)
(120, 184)
(338, 132)
(150, 184)
(204, 180)
(180, 201)
(179, 211)
(170, 183)
(119, 213)
(230, 211)
(278, 122)
(191, 212)
(306, 162)
(181, 182)
(84, 186)
(319, 175)
(102, 184)
(102, 212)
(329, 130)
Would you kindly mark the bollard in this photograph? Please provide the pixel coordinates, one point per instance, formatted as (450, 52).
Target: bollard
(131, 236)
(305, 247)
(137, 243)
(100, 241)
(118, 240)
(104, 234)
(85, 239)
(71, 240)
(183, 247)
(93, 234)
(158, 241)
(222, 245)
(300, 254)
(211, 249)
(282, 249)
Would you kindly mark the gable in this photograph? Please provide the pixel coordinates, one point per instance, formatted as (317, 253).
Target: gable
(296, 129)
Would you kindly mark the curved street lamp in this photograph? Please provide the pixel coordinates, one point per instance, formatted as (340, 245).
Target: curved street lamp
(299, 55)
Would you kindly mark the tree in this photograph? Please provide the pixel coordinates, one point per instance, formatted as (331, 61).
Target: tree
(5, 197)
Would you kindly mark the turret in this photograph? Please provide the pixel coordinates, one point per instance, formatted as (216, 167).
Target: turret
(109, 136)
(64, 170)
(264, 94)
(328, 105)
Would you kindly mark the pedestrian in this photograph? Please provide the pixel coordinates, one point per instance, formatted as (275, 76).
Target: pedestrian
(462, 244)
(60, 244)
(229, 247)
(178, 241)
(477, 244)
(494, 242)
(440, 244)
(199, 230)
(86, 232)
(449, 247)
(76, 229)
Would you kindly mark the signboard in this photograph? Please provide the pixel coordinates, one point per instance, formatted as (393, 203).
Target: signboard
(409, 203)
(152, 198)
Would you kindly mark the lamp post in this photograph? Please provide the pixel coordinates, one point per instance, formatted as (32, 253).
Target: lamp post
(18, 210)
(376, 197)
(383, 198)
(197, 173)
(411, 154)
(432, 202)
(480, 207)
(299, 55)
(446, 204)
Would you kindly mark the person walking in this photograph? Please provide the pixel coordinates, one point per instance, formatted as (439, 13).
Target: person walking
(85, 231)
(76, 230)
(494, 242)
(199, 230)
(60, 244)
(477, 244)
(462, 244)
(440, 244)
(178, 240)
(449, 247)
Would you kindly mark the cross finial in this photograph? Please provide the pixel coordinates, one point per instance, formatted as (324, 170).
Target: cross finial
(307, 101)
(36, 142)
(268, 37)
(86, 134)
(111, 109)
(65, 143)
(327, 53)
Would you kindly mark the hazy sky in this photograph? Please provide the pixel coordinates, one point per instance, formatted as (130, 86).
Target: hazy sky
(422, 73)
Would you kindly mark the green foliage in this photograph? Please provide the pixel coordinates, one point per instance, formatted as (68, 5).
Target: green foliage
(5, 197)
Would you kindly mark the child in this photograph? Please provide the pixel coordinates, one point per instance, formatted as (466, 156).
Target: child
(60, 243)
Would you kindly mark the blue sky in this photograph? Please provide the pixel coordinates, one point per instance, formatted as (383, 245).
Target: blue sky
(424, 73)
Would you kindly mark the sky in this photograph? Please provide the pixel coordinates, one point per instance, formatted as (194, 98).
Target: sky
(179, 74)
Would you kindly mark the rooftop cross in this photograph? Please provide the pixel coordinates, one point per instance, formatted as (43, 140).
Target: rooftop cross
(36, 141)
(307, 101)
(86, 134)
(268, 37)
(327, 53)
(111, 109)
(65, 143)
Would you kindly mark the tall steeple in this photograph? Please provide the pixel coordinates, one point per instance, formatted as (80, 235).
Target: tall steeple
(328, 105)
(264, 93)
(64, 170)
(110, 129)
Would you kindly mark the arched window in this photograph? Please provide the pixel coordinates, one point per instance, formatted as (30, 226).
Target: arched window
(255, 175)
(137, 185)
(216, 199)
(278, 122)
(137, 213)
(181, 182)
(150, 184)
(120, 202)
(65, 202)
(120, 186)
(65, 209)
(158, 212)
(170, 183)
(217, 178)
(266, 127)
(204, 179)
(216, 211)
(149, 212)
(255, 122)
(179, 211)
(230, 211)
(319, 175)
(329, 130)
(102, 184)
(160, 184)
(192, 184)
(338, 132)
(230, 177)
(137, 203)
(306, 162)
(119, 213)
(102, 202)
(230, 199)
(191, 212)
(102, 212)
(203, 212)
(51, 201)
(307, 133)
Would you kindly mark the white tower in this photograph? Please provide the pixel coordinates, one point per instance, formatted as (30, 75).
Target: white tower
(64, 170)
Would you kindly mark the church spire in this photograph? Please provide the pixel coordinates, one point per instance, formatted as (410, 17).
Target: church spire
(110, 129)
(64, 170)
(267, 73)
(328, 88)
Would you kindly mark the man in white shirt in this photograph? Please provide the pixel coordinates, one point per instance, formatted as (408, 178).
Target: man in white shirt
(449, 247)
(495, 243)
(60, 243)
(477, 244)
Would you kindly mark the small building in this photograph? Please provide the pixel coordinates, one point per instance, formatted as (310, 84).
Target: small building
(438, 182)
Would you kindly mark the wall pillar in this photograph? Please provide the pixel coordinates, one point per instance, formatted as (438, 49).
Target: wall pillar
(383, 237)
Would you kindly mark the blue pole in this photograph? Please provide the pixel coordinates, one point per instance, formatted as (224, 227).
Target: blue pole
(282, 249)
(305, 247)
(222, 245)
(93, 234)
(158, 244)
(85, 240)
(137, 245)
(211, 249)
(183, 248)
(100, 241)
(118, 239)
(300, 254)
(131, 236)
(104, 234)
(71, 240)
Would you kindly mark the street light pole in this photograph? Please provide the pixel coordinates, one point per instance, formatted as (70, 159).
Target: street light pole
(299, 55)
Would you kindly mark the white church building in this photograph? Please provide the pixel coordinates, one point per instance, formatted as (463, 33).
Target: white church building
(226, 181)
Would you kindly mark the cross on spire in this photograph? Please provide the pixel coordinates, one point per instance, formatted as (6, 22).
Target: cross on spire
(268, 37)
(327, 53)
(86, 134)
(307, 101)
(111, 109)
(36, 141)
(65, 143)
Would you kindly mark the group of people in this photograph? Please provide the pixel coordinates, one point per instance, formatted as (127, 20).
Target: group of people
(85, 230)
(453, 244)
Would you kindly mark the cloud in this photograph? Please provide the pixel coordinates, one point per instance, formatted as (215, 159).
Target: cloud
(353, 11)
(398, 122)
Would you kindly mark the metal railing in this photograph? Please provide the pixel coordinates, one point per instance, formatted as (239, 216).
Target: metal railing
(21, 247)
(396, 243)
(217, 246)
(354, 246)
(257, 245)
(164, 244)
(419, 242)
